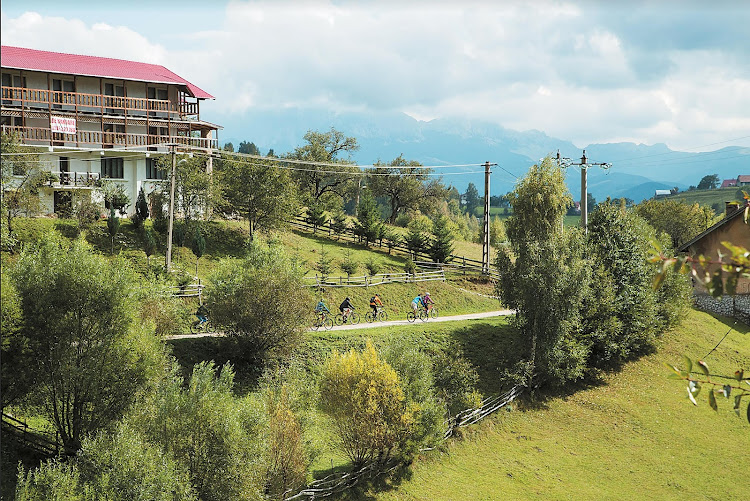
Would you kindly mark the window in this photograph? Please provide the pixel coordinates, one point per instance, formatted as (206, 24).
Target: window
(16, 81)
(152, 171)
(60, 86)
(64, 170)
(113, 168)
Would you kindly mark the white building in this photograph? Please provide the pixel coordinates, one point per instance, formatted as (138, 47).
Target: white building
(94, 117)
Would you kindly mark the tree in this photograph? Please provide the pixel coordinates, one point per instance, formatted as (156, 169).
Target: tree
(228, 147)
(326, 184)
(441, 246)
(681, 221)
(196, 193)
(20, 180)
(259, 191)
(404, 183)
(149, 245)
(416, 241)
(324, 263)
(709, 182)
(544, 277)
(349, 265)
(368, 222)
(113, 228)
(287, 461)
(208, 431)
(115, 196)
(91, 357)
(339, 223)
(15, 351)
(248, 149)
(472, 199)
(590, 202)
(316, 216)
(141, 210)
(260, 300)
(363, 396)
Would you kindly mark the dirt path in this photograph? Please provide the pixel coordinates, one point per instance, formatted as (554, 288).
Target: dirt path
(365, 325)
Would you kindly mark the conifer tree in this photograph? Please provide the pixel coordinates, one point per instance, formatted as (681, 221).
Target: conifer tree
(441, 246)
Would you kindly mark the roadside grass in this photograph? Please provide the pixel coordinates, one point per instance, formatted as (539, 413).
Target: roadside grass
(709, 197)
(633, 436)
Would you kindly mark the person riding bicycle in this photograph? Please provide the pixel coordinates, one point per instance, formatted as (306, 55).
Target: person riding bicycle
(415, 303)
(202, 314)
(321, 307)
(375, 303)
(346, 308)
(427, 302)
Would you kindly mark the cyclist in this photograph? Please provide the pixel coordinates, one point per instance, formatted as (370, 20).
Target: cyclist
(321, 307)
(427, 302)
(202, 314)
(346, 308)
(415, 303)
(375, 303)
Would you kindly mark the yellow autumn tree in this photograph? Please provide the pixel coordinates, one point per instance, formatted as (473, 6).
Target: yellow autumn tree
(287, 460)
(363, 395)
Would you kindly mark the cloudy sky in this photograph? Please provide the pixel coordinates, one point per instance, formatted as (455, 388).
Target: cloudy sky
(676, 72)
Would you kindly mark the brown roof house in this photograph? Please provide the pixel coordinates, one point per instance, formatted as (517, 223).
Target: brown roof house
(735, 229)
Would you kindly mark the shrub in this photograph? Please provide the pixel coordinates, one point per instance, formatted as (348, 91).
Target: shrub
(363, 395)
(348, 265)
(287, 461)
(456, 380)
(260, 300)
(87, 213)
(373, 267)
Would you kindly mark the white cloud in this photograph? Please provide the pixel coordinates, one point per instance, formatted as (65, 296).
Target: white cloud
(580, 71)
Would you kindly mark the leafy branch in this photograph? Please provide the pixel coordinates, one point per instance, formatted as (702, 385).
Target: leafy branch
(696, 381)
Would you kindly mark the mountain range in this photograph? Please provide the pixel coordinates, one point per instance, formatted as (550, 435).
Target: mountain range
(636, 169)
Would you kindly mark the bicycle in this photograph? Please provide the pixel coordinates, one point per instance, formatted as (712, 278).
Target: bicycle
(411, 316)
(352, 318)
(381, 315)
(199, 327)
(322, 320)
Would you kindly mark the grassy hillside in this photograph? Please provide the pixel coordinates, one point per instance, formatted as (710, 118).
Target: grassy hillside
(634, 436)
(709, 197)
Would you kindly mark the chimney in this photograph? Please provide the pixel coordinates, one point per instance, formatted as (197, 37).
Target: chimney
(730, 208)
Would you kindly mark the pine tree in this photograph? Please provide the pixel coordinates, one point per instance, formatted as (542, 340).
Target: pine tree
(368, 218)
(441, 247)
(141, 210)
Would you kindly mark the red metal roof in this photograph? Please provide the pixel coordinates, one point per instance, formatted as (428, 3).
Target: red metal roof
(72, 64)
(743, 179)
(728, 183)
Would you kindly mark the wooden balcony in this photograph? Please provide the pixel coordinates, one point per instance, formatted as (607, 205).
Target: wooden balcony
(37, 136)
(102, 104)
(77, 180)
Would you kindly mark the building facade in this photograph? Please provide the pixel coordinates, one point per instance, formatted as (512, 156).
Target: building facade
(93, 118)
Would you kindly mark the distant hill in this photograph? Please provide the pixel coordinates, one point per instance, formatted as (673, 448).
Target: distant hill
(637, 169)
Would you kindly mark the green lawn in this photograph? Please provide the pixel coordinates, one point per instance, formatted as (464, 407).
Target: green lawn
(709, 197)
(634, 436)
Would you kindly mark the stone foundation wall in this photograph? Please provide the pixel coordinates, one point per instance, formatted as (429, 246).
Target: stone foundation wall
(737, 306)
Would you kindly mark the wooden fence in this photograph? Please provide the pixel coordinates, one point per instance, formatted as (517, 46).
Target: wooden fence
(463, 263)
(379, 279)
(339, 482)
(34, 440)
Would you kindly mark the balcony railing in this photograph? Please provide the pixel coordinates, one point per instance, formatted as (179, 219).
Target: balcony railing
(96, 103)
(78, 179)
(37, 136)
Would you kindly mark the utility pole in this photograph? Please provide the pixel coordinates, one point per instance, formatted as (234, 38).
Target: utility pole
(584, 164)
(486, 230)
(168, 258)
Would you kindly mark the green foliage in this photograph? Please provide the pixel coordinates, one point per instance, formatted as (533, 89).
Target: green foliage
(456, 380)
(158, 200)
(115, 196)
(258, 191)
(261, 300)
(710, 182)
(141, 210)
(149, 244)
(373, 267)
(21, 177)
(544, 277)
(87, 213)
(15, 348)
(472, 199)
(196, 194)
(319, 183)
(497, 231)
(416, 241)
(199, 244)
(369, 222)
(406, 185)
(316, 216)
(207, 430)
(339, 223)
(325, 263)
(119, 466)
(287, 461)
(441, 246)
(363, 396)
(680, 220)
(349, 265)
(248, 148)
(91, 357)
(410, 267)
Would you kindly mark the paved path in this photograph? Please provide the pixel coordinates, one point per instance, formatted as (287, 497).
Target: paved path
(365, 325)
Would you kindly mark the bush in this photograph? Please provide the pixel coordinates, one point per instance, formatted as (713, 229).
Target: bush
(287, 461)
(260, 300)
(373, 267)
(456, 380)
(207, 430)
(87, 213)
(363, 395)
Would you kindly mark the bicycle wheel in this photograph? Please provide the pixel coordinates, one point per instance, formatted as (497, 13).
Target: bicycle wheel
(328, 323)
(369, 317)
(423, 315)
(339, 320)
(410, 316)
(353, 318)
(382, 316)
(434, 312)
(194, 329)
(316, 322)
